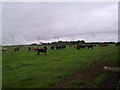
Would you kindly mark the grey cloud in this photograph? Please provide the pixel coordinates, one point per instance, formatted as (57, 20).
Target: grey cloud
(27, 21)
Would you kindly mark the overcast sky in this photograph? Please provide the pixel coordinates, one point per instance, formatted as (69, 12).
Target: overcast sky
(88, 21)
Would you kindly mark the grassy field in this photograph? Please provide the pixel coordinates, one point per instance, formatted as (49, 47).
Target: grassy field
(26, 69)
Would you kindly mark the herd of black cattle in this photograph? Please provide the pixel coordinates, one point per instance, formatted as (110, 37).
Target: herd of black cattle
(78, 47)
(57, 47)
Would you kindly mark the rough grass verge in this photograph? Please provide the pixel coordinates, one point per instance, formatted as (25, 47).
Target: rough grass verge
(99, 80)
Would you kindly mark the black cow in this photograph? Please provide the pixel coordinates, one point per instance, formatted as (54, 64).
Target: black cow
(63, 46)
(90, 46)
(52, 47)
(42, 50)
(60, 47)
(80, 46)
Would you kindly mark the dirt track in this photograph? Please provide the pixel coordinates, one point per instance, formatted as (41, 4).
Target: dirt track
(88, 74)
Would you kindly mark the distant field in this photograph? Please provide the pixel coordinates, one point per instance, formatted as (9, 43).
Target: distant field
(26, 69)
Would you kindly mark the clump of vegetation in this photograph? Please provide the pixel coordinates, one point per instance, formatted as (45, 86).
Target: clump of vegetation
(100, 79)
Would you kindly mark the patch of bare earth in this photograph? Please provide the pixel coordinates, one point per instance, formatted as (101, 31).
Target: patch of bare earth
(88, 74)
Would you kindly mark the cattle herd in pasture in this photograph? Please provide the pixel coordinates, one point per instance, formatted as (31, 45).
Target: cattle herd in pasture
(58, 47)
(44, 49)
(78, 47)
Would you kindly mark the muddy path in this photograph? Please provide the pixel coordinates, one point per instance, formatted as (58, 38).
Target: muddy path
(88, 74)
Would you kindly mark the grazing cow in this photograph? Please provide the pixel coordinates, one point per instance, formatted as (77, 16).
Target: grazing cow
(16, 49)
(83, 46)
(52, 47)
(42, 50)
(80, 46)
(63, 46)
(90, 46)
(5, 49)
(35, 48)
(45, 47)
(104, 45)
(75, 46)
(60, 47)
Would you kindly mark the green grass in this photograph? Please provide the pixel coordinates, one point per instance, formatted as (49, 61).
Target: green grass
(100, 79)
(26, 69)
